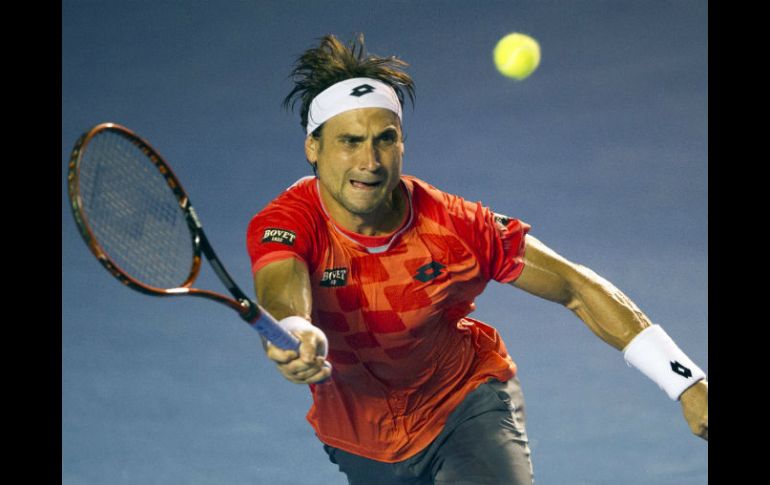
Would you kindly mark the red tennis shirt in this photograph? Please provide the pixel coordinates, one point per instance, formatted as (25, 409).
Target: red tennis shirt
(394, 310)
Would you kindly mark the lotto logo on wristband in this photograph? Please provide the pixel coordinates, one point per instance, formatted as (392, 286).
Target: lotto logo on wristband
(279, 236)
(681, 370)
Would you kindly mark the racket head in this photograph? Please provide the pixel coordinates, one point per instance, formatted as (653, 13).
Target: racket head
(132, 211)
(136, 218)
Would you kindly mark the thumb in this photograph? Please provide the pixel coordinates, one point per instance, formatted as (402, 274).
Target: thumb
(308, 346)
(312, 340)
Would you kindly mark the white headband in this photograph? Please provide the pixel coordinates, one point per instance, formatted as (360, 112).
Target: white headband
(355, 93)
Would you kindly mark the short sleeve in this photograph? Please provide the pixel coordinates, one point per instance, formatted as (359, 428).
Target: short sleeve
(496, 240)
(279, 232)
(506, 256)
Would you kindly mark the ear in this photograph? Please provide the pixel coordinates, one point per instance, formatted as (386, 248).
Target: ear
(311, 149)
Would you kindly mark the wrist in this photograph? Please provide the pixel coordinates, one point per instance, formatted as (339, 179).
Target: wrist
(656, 355)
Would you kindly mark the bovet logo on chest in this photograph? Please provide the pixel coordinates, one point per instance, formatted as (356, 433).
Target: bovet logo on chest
(334, 277)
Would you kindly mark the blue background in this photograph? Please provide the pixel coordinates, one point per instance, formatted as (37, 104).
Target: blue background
(603, 150)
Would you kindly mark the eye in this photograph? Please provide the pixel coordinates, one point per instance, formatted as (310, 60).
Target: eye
(388, 138)
(350, 141)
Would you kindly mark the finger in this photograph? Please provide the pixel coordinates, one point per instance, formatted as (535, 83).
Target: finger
(297, 374)
(322, 374)
(279, 355)
(308, 376)
(298, 371)
(700, 430)
(297, 366)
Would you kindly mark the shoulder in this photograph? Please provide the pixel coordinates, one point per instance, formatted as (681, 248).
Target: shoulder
(299, 196)
(302, 192)
(296, 206)
(466, 217)
(434, 203)
(290, 223)
(421, 188)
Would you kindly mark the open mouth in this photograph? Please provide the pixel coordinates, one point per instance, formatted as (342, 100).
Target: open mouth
(364, 185)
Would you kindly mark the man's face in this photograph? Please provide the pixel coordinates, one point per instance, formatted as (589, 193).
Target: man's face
(359, 158)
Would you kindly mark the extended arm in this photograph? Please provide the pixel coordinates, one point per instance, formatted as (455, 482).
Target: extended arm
(283, 289)
(609, 313)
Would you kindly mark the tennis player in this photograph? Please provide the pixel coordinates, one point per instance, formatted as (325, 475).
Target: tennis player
(387, 267)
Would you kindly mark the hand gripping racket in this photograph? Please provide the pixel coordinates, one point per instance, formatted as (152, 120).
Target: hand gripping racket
(137, 220)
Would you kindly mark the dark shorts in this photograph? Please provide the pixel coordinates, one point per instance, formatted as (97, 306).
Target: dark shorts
(484, 442)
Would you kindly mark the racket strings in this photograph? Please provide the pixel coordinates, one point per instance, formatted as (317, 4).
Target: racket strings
(133, 213)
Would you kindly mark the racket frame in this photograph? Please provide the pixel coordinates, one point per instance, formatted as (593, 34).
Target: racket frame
(249, 311)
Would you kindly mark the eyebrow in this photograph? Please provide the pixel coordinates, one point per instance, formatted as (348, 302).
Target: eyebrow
(349, 136)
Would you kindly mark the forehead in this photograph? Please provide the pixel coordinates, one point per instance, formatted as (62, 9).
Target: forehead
(362, 121)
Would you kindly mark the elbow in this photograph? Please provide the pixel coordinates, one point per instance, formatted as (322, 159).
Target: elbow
(576, 281)
(573, 303)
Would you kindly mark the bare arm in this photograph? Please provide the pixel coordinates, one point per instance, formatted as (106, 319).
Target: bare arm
(283, 289)
(609, 313)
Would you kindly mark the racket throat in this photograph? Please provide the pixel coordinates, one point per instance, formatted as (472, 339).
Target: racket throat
(250, 311)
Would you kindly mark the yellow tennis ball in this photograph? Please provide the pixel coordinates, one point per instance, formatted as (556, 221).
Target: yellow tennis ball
(517, 55)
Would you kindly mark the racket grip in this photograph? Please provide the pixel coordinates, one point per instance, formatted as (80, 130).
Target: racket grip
(268, 327)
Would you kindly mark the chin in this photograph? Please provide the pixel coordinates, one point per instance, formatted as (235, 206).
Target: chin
(362, 211)
(366, 208)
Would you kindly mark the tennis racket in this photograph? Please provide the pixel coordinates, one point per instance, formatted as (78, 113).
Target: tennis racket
(138, 221)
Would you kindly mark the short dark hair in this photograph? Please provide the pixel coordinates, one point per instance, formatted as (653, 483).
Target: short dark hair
(332, 61)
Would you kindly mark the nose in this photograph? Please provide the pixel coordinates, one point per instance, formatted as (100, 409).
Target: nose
(370, 159)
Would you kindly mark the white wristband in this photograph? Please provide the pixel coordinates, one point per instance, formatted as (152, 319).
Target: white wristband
(299, 324)
(656, 355)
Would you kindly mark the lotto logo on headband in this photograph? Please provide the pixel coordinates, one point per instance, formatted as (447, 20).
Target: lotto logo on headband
(350, 94)
(279, 236)
(359, 91)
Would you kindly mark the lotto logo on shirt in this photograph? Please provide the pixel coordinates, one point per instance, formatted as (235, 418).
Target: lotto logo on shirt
(334, 277)
(279, 236)
(501, 219)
